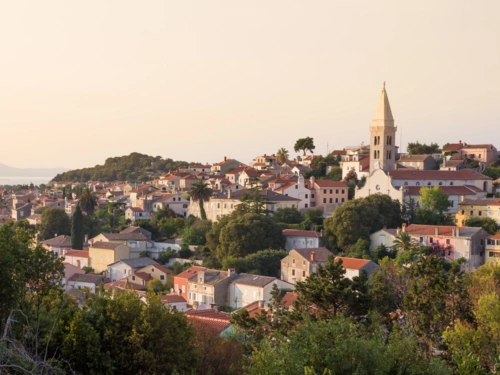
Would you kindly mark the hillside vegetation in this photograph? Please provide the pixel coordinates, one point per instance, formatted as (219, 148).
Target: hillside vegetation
(132, 168)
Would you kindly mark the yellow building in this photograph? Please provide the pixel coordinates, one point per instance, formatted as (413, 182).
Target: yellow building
(493, 248)
(479, 207)
(156, 271)
(103, 253)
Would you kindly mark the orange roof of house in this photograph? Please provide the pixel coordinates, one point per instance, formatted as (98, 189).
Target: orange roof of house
(353, 263)
(190, 272)
(415, 174)
(172, 298)
(214, 319)
(288, 299)
(329, 183)
(77, 253)
(495, 237)
(301, 233)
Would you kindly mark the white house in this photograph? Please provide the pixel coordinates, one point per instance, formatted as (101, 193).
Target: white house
(295, 189)
(383, 237)
(354, 266)
(84, 281)
(175, 202)
(247, 288)
(125, 267)
(136, 213)
(301, 239)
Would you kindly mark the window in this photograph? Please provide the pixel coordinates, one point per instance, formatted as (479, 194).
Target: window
(306, 205)
(312, 195)
(303, 262)
(152, 270)
(447, 241)
(296, 186)
(342, 191)
(480, 213)
(342, 200)
(463, 212)
(324, 191)
(418, 184)
(293, 261)
(482, 241)
(331, 200)
(162, 277)
(451, 203)
(451, 183)
(440, 183)
(472, 213)
(429, 183)
(324, 200)
(421, 240)
(133, 278)
(303, 273)
(336, 200)
(431, 240)
(293, 272)
(218, 205)
(331, 191)
(307, 195)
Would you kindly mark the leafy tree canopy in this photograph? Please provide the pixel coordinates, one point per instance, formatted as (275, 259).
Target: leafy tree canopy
(54, 221)
(264, 262)
(434, 199)
(304, 144)
(126, 168)
(416, 148)
(359, 218)
(288, 215)
(487, 223)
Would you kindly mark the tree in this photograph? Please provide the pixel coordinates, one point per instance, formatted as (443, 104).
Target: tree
(435, 299)
(312, 217)
(288, 215)
(359, 218)
(196, 235)
(77, 236)
(282, 155)
(201, 192)
(264, 262)
(342, 347)
(329, 291)
(54, 221)
(415, 148)
(241, 235)
(404, 242)
(335, 174)
(255, 201)
(360, 250)
(487, 223)
(493, 172)
(304, 144)
(87, 201)
(434, 199)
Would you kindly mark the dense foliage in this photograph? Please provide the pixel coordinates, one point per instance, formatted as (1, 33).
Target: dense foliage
(416, 148)
(132, 168)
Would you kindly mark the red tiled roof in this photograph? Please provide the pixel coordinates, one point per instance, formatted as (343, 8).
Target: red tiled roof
(481, 202)
(495, 237)
(143, 275)
(353, 263)
(444, 230)
(77, 253)
(329, 183)
(172, 298)
(212, 318)
(453, 147)
(124, 284)
(464, 174)
(301, 233)
(190, 272)
(288, 299)
(338, 152)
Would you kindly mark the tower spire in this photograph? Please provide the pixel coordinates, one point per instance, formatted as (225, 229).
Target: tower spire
(383, 115)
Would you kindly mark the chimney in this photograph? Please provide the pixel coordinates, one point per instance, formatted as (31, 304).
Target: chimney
(225, 158)
(457, 231)
(201, 277)
(403, 229)
(398, 231)
(453, 232)
(231, 271)
(436, 231)
(462, 198)
(86, 238)
(229, 193)
(262, 304)
(313, 256)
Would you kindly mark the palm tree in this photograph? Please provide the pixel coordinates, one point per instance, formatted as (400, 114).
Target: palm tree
(87, 201)
(201, 193)
(282, 155)
(404, 242)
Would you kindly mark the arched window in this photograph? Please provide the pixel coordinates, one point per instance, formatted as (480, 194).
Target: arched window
(375, 140)
(429, 183)
(390, 155)
(406, 183)
(440, 184)
(375, 154)
(451, 183)
(418, 184)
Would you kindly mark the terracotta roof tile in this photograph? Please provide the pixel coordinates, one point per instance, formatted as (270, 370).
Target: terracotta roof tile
(301, 233)
(353, 263)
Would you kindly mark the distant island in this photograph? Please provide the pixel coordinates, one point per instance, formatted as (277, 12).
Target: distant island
(7, 171)
(133, 168)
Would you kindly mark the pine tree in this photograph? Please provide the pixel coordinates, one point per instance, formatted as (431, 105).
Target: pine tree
(77, 236)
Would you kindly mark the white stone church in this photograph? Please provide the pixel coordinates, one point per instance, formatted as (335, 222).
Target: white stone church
(405, 184)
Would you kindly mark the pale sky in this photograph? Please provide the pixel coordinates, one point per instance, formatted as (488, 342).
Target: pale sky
(81, 81)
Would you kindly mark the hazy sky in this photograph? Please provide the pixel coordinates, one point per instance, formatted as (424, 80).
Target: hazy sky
(81, 81)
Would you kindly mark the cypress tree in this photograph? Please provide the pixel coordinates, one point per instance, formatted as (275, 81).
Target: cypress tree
(77, 236)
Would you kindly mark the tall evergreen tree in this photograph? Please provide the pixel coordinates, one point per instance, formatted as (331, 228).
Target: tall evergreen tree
(77, 236)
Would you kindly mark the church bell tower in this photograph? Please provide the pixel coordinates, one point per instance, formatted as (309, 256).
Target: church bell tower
(383, 137)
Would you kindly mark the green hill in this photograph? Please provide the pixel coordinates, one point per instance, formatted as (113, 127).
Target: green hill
(133, 168)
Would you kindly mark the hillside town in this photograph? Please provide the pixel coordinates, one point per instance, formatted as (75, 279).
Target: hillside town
(217, 243)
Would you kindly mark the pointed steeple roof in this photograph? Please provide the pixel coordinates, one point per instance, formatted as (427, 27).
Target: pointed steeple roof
(383, 116)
